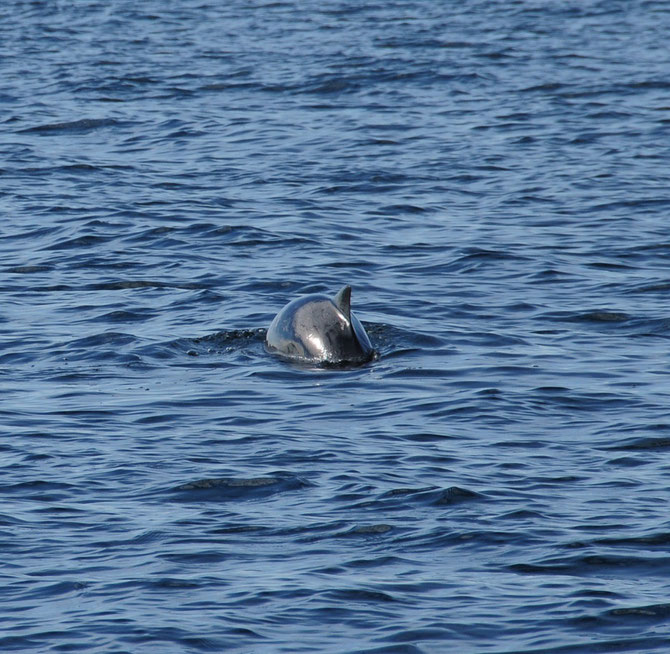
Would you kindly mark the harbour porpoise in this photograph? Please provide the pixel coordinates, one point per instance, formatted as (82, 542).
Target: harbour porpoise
(319, 329)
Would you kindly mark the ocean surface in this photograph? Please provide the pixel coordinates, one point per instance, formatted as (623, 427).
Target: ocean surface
(493, 180)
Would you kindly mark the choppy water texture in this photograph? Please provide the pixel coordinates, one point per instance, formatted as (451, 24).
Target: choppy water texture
(490, 177)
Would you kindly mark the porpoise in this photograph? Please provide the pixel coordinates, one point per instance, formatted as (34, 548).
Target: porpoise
(319, 329)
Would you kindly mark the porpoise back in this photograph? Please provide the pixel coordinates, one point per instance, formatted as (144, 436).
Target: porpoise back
(319, 329)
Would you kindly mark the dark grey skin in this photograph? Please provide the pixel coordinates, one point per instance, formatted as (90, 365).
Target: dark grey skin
(319, 329)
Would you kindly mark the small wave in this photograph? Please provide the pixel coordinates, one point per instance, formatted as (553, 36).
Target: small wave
(654, 541)
(88, 241)
(227, 338)
(40, 490)
(24, 270)
(595, 316)
(649, 612)
(141, 283)
(125, 316)
(225, 342)
(432, 496)
(227, 489)
(82, 125)
(57, 590)
(366, 530)
(657, 287)
(596, 564)
(350, 595)
(642, 443)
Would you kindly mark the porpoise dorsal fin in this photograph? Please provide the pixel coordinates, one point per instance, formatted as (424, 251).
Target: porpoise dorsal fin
(343, 301)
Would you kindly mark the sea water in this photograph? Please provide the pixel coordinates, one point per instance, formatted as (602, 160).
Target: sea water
(491, 177)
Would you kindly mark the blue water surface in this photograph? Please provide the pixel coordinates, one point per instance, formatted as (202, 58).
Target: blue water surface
(491, 177)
